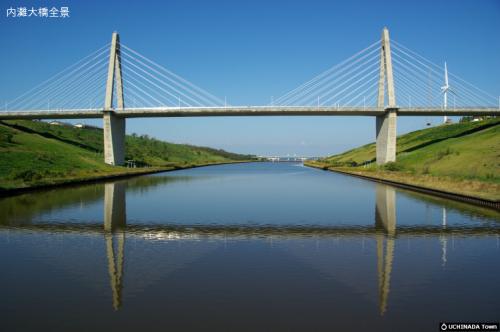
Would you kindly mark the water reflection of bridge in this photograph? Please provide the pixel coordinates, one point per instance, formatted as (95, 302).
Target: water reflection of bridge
(384, 231)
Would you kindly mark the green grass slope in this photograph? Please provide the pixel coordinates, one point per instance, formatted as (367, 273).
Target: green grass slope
(36, 153)
(472, 156)
(465, 150)
(461, 158)
(142, 149)
(28, 159)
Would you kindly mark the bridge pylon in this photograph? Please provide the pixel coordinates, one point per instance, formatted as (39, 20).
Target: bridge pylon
(386, 124)
(114, 125)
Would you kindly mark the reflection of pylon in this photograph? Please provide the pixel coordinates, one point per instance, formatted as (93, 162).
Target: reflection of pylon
(115, 266)
(384, 266)
(115, 221)
(385, 218)
(385, 208)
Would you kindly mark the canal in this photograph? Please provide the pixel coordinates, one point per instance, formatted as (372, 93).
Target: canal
(245, 247)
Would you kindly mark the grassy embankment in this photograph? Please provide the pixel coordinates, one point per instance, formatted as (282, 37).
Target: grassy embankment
(461, 158)
(34, 153)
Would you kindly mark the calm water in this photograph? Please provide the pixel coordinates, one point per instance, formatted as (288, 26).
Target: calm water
(258, 247)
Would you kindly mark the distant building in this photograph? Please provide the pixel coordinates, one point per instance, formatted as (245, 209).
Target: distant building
(79, 125)
(473, 118)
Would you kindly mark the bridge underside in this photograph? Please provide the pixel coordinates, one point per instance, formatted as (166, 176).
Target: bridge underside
(241, 111)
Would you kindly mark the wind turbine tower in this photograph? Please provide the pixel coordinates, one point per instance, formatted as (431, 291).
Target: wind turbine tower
(444, 90)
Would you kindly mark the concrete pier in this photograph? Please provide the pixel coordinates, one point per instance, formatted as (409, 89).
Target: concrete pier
(114, 138)
(386, 137)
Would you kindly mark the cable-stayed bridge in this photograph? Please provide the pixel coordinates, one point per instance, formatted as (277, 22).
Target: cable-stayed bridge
(116, 82)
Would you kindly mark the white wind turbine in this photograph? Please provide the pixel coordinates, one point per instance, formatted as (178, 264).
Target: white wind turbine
(444, 90)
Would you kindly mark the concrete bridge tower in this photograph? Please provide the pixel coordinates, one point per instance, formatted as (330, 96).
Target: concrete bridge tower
(114, 125)
(386, 124)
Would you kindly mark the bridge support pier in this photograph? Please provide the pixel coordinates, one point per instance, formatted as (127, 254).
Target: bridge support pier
(386, 137)
(114, 138)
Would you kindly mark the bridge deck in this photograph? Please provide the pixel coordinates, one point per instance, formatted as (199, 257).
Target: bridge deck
(241, 111)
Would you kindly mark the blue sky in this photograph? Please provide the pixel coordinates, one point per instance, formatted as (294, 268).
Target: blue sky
(249, 51)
